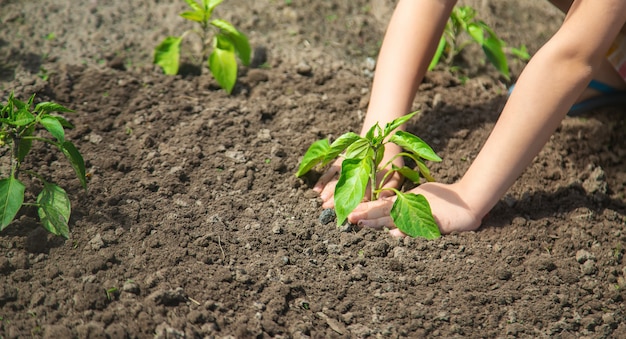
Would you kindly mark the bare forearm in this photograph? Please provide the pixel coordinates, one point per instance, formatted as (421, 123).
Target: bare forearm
(549, 85)
(409, 45)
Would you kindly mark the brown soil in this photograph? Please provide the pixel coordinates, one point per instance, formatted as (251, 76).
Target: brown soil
(197, 227)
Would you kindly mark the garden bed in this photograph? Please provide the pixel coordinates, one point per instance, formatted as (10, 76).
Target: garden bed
(195, 225)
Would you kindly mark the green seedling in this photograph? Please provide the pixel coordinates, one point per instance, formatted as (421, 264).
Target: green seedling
(221, 43)
(462, 20)
(361, 165)
(18, 124)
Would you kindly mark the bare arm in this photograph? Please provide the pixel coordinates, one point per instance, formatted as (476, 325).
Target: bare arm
(408, 47)
(545, 91)
(547, 87)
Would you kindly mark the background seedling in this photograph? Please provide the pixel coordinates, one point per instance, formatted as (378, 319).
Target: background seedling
(221, 42)
(362, 163)
(18, 123)
(462, 20)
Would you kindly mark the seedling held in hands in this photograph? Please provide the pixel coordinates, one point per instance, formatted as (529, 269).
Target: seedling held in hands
(18, 123)
(462, 19)
(362, 163)
(221, 42)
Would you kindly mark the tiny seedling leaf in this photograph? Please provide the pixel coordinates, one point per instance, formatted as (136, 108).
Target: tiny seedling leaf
(390, 127)
(54, 209)
(197, 16)
(11, 199)
(351, 186)
(211, 4)
(414, 144)
(194, 5)
(313, 156)
(412, 215)
(167, 55)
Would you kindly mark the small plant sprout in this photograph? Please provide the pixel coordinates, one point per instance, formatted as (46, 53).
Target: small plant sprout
(18, 123)
(221, 43)
(462, 19)
(362, 162)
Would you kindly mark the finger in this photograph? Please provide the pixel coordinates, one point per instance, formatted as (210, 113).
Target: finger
(371, 210)
(377, 224)
(329, 191)
(329, 203)
(397, 233)
(326, 178)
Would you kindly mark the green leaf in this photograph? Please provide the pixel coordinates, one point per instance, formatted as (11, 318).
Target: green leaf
(211, 4)
(223, 64)
(25, 143)
(476, 32)
(438, 53)
(22, 118)
(493, 48)
(51, 107)
(194, 5)
(167, 55)
(313, 156)
(412, 215)
(408, 173)
(63, 121)
(359, 149)
(351, 186)
(238, 39)
(414, 144)
(54, 209)
(339, 145)
(371, 132)
(76, 160)
(424, 170)
(397, 123)
(53, 126)
(11, 200)
(193, 16)
(521, 53)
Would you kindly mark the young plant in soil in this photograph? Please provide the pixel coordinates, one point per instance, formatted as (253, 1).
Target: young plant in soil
(462, 19)
(221, 42)
(361, 165)
(18, 124)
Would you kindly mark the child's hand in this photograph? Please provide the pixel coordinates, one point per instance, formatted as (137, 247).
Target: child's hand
(325, 185)
(450, 211)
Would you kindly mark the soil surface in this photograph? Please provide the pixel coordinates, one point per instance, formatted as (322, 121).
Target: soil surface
(194, 224)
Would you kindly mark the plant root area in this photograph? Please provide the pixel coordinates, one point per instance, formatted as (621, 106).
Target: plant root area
(194, 225)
